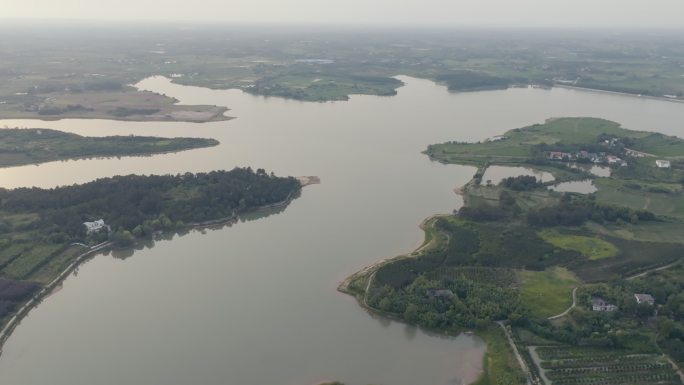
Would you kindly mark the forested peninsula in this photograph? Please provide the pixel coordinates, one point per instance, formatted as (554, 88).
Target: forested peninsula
(565, 287)
(44, 232)
(39, 145)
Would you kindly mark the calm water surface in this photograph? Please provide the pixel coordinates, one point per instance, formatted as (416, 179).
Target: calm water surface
(576, 186)
(495, 174)
(255, 303)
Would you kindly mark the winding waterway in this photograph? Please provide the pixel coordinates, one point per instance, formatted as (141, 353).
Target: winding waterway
(255, 303)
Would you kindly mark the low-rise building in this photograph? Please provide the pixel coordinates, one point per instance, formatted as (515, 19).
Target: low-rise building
(644, 298)
(663, 163)
(93, 227)
(599, 304)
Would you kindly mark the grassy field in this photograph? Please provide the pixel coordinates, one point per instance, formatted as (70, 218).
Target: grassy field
(652, 232)
(590, 247)
(31, 260)
(517, 144)
(548, 292)
(612, 190)
(31, 146)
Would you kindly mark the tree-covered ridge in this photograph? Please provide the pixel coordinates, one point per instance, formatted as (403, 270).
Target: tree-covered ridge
(141, 204)
(28, 146)
(43, 234)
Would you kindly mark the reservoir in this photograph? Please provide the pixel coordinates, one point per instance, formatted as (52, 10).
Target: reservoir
(256, 303)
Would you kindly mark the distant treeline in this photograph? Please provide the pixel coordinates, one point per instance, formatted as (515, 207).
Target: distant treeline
(471, 80)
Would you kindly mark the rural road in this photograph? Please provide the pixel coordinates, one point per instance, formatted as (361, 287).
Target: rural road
(574, 303)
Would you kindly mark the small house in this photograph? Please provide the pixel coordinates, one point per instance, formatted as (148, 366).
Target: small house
(612, 159)
(555, 155)
(599, 304)
(644, 298)
(663, 163)
(93, 227)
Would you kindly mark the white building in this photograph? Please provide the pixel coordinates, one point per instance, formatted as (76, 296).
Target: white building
(663, 163)
(598, 304)
(93, 227)
(644, 298)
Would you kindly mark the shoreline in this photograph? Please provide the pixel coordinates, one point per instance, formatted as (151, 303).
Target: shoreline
(218, 117)
(369, 270)
(597, 90)
(26, 308)
(49, 289)
(132, 155)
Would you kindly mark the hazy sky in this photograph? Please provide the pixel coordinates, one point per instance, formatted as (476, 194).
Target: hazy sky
(562, 13)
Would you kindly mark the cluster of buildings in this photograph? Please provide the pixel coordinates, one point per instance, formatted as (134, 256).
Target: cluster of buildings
(599, 304)
(583, 155)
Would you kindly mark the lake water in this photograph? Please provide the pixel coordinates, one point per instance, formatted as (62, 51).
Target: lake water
(577, 186)
(495, 174)
(255, 303)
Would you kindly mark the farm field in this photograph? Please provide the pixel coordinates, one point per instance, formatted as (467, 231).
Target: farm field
(565, 365)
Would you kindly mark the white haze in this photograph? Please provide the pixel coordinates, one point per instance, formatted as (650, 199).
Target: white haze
(488, 13)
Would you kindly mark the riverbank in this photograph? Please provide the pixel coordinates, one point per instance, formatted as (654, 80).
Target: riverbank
(22, 146)
(363, 278)
(597, 90)
(48, 288)
(499, 361)
(24, 310)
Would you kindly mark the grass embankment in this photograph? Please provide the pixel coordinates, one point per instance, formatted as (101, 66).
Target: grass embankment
(30, 146)
(500, 367)
(548, 292)
(666, 199)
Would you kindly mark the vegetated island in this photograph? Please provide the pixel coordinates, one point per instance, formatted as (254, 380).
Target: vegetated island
(46, 233)
(115, 102)
(566, 288)
(38, 145)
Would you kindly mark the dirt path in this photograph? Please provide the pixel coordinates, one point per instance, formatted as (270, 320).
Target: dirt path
(674, 365)
(647, 203)
(537, 361)
(641, 152)
(656, 269)
(365, 291)
(574, 303)
(521, 362)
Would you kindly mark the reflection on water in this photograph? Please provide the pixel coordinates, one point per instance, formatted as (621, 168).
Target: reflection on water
(495, 174)
(580, 186)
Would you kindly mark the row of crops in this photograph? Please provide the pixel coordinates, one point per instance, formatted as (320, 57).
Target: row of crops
(565, 365)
